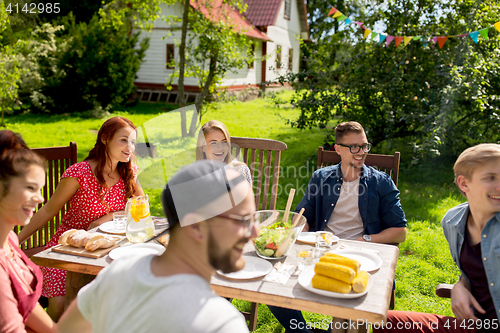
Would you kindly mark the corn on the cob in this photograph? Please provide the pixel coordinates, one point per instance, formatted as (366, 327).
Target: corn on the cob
(360, 281)
(341, 260)
(326, 283)
(339, 272)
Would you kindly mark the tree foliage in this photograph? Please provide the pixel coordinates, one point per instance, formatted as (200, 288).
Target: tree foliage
(214, 46)
(438, 100)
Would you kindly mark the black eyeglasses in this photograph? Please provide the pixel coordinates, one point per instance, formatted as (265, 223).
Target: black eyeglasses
(356, 148)
(247, 221)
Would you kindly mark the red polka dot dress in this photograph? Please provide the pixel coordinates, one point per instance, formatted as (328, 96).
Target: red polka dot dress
(85, 207)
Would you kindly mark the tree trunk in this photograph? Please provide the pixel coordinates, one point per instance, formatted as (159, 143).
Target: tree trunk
(204, 92)
(182, 63)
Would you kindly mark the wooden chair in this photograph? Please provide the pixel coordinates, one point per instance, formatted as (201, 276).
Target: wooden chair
(387, 163)
(58, 160)
(263, 157)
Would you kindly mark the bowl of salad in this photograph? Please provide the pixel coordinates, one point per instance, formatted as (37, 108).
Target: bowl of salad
(276, 235)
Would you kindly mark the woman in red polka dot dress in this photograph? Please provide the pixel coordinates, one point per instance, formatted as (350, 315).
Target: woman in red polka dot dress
(95, 188)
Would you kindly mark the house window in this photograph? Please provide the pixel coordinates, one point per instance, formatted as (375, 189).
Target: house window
(288, 8)
(290, 59)
(170, 56)
(278, 57)
(252, 54)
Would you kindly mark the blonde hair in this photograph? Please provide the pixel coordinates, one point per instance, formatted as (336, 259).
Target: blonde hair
(475, 157)
(214, 125)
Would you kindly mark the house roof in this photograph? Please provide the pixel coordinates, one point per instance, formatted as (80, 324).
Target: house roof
(218, 12)
(263, 13)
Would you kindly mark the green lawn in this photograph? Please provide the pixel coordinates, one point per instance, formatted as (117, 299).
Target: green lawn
(427, 191)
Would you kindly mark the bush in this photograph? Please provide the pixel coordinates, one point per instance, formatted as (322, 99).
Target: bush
(89, 67)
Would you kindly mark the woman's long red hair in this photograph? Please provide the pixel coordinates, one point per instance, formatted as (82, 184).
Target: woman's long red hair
(100, 154)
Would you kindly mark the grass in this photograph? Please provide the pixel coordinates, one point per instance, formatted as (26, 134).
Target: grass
(427, 191)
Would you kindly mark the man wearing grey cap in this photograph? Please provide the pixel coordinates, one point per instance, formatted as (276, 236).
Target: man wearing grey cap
(210, 208)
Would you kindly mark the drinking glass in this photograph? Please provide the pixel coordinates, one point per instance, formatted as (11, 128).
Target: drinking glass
(120, 219)
(324, 240)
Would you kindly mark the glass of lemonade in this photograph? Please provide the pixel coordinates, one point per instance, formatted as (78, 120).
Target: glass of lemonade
(140, 226)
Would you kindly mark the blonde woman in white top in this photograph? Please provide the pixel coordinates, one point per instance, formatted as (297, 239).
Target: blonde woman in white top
(214, 143)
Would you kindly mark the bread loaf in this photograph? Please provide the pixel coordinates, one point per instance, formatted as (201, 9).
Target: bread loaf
(64, 237)
(91, 241)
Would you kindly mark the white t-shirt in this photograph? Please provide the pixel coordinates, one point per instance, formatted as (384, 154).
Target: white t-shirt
(127, 297)
(345, 221)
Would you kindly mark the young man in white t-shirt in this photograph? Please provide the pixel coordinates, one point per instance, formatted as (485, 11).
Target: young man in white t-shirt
(210, 208)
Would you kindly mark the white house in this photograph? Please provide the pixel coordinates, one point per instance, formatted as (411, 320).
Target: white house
(274, 25)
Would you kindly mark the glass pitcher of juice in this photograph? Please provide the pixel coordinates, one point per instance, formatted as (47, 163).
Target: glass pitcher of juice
(140, 226)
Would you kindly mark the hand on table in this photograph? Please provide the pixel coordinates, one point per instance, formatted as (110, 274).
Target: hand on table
(463, 303)
(105, 218)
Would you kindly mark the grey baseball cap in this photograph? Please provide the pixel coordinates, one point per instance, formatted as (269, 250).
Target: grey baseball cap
(195, 187)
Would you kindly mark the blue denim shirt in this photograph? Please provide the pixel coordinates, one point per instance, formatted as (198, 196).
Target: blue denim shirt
(454, 223)
(378, 203)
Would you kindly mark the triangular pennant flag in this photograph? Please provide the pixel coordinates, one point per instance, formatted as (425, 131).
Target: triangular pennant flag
(337, 14)
(463, 35)
(332, 11)
(497, 25)
(374, 34)
(367, 33)
(359, 23)
(348, 21)
(424, 41)
(441, 41)
(484, 33)
(389, 40)
(474, 35)
(398, 41)
(407, 39)
(434, 41)
(381, 38)
(417, 37)
(341, 18)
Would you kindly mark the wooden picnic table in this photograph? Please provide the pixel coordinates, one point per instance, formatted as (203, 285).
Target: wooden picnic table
(371, 307)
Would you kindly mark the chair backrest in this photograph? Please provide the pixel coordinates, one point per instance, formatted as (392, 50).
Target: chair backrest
(58, 160)
(263, 157)
(387, 163)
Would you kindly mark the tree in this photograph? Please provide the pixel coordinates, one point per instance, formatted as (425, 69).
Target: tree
(216, 46)
(437, 100)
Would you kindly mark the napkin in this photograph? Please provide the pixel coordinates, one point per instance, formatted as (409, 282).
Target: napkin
(348, 247)
(280, 273)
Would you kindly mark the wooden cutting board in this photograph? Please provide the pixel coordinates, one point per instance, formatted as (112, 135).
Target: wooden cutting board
(80, 251)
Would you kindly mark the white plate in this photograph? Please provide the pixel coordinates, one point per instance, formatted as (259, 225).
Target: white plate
(369, 261)
(160, 221)
(136, 249)
(310, 238)
(254, 268)
(305, 281)
(113, 227)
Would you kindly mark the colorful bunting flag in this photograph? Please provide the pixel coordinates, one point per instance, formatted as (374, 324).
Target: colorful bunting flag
(441, 41)
(398, 41)
(474, 35)
(337, 14)
(389, 40)
(332, 11)
(484, 33)
(424, 41)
